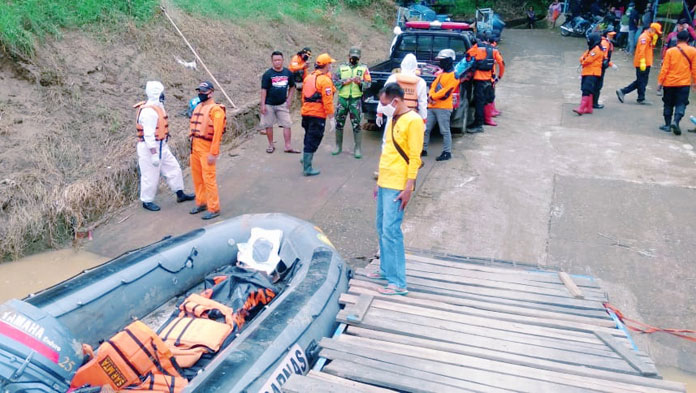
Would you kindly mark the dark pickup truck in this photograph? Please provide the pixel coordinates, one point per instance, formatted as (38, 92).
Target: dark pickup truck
(425, 43)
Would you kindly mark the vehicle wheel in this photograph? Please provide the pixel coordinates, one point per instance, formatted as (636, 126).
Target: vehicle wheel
(564, 32)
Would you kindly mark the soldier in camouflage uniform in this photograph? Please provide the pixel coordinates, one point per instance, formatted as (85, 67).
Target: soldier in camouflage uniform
(351, 80)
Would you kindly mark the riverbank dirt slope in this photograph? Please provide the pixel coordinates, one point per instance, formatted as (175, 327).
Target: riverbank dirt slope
(67, 146)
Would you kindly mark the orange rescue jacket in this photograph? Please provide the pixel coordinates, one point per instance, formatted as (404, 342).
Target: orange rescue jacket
(297, 65)
(154, 382)
(678, 66)
(162, 130)
(591, 61)
(409, 83)
(202, 307)
(189, 338)
(608, 49)
(201, 124)
(480, 53)
(317, 95)
(442, 90)
(644, 49)
(126, 359)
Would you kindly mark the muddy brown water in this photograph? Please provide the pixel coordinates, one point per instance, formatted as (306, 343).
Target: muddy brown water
(33, 273)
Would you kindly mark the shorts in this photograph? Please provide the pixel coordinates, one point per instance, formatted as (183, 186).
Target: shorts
(276, 114)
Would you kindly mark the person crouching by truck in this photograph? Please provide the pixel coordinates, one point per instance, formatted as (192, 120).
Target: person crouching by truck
(591, 62)
(440, 104)
(677, 75)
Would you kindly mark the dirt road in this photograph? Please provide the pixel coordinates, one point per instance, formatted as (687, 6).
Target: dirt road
(607, 194)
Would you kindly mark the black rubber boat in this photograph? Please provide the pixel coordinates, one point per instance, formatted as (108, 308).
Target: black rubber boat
(41, 336)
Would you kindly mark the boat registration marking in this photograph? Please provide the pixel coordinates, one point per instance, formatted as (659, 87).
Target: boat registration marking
(295, 362)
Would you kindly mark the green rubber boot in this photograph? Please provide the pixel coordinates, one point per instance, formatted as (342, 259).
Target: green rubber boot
(357, 136)
(307, 165)
(339, 143)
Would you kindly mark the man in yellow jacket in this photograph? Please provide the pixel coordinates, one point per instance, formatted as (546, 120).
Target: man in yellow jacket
(677, 75)
(398, 169)
(642, 60)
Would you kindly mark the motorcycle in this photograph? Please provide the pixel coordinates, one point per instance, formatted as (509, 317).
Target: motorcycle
(575, 26)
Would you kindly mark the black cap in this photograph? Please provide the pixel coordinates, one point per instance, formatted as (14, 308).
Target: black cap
(683, 35)
(682, 21)
(205, 87)
(307, 49)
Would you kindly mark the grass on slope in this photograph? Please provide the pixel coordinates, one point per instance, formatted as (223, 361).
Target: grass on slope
(22, 22)
(300, 10)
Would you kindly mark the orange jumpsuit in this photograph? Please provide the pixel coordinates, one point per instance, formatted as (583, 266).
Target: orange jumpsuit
(209, 120)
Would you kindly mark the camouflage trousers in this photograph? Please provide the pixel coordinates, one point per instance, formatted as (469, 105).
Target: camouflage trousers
(348, 106)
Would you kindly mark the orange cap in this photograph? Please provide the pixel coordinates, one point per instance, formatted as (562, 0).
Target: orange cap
(656, 27)
(324, 59)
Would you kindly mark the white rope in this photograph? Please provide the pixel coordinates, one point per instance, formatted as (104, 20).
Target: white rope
(198, 57)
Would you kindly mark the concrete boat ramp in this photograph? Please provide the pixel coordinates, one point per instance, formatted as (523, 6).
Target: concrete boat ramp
(475, 325)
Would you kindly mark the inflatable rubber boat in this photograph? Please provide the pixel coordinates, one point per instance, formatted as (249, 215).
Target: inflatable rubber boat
(43, 337)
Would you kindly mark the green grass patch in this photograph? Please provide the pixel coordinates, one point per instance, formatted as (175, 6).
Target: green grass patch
(300, 10)
(672, 9)
(23, 22)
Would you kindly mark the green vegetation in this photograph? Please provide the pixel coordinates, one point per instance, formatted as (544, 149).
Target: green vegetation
(512, 9)
(22, 22)
(671, 10)
(301, 10)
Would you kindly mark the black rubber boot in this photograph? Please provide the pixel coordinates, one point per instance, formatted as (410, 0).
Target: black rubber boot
(151, 206)
(181, 196)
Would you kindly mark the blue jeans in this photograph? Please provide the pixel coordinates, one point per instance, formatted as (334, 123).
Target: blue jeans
(631, 45)
(392, 258)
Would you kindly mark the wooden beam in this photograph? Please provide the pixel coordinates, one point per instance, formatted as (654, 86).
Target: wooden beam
(358, 311)
(570, 285)
(301, 384)
(628, 355)
(347, 382)
(522, 360)
(358, 372)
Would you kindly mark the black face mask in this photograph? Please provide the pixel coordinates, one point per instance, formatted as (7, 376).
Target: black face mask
(446, 64)
(354, 60)
(203, 97)
(162, 98)
(305, 57)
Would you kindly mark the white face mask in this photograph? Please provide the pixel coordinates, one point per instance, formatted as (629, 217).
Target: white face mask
(389, 109)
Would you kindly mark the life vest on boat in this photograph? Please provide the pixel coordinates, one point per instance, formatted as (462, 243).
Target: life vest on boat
(202, 307)
(189, 338)
(409, 83)
(154, 382)
(201, 125)
(260, 297)
(162, 130)
(126, 358)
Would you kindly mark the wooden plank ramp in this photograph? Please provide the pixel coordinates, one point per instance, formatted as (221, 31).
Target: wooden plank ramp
(471, 325)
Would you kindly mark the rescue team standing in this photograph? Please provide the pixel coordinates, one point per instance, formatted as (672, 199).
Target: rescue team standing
(642, 60)
(677, 75)
(351, 80)
(207, 126)
(154, 156)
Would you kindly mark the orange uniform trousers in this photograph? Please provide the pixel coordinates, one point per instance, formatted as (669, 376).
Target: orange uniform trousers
(203, 175)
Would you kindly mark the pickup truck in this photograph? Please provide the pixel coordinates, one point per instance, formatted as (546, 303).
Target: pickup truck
(424, 40)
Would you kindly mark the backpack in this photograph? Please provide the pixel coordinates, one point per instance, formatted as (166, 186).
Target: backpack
(487, 63)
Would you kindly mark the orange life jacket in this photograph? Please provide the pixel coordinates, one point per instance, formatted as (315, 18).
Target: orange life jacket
(309, 89)
(155, 382)
(201, 125)
(162, 130)
(409, 83)
(126, 358)
(202, 307)
(261, 297)
(189, 338)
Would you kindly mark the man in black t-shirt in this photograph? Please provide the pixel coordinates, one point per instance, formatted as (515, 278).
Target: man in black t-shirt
(277, 90)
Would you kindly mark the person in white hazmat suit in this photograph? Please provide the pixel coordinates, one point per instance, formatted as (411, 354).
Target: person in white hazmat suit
(416, 99)
(154, 156)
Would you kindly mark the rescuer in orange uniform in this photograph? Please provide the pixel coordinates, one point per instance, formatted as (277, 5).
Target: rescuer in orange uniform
(591, 61)
(440, 104)
(486, 57)
(298, 66)
(677, 74)
(642, 60)
(607, 46)
(207, 126)
(317, 107)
